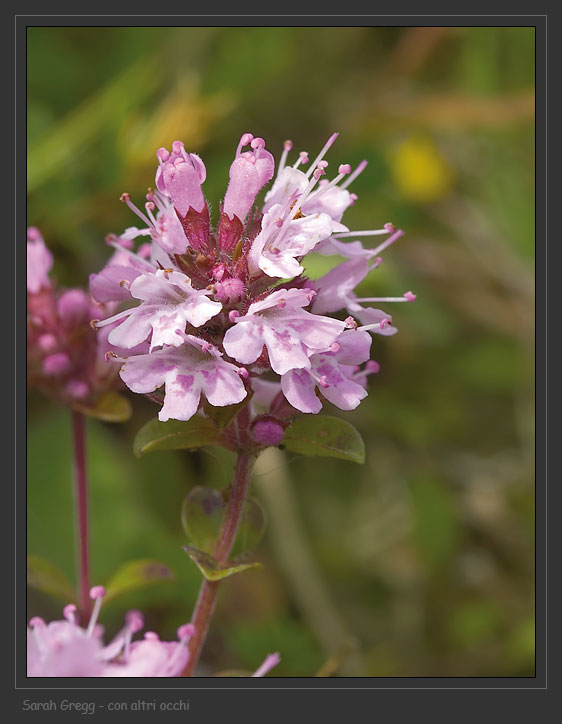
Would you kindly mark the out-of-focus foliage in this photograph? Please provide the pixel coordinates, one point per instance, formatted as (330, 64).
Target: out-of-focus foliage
(421, 561)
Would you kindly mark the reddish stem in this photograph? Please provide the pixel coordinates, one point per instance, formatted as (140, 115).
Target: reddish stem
(81, 503)
(207, 599)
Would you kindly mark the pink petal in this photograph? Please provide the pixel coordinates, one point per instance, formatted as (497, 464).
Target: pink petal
(183, 185)
(106, 286)
(285, 349)
(39, 263)
(264, 391)
(244, 341)
(315, 331)
(224, 386)
(344, 394)
(270, 662)
(287, 183)
(299, 387)
(335, 287)
(164, 325)
(370, 315)
(242, 188)
(181, 400)
(147, 372)
(199, 309)
(333, 202)
(355, 347)
(134, 330)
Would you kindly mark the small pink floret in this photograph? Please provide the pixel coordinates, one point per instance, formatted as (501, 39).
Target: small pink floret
(33, 233)
(373, 367)
(134, 620)
(73, 307)
(97, 592)
(69, 612)
(229, 290)
(47, 342)
(267, 432)
(186, 631)
(77, 389)
(56, 364)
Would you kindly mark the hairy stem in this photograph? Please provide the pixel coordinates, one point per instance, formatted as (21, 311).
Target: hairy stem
(207, 599)
(81, 507)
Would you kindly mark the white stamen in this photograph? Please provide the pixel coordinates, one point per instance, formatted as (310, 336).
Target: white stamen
(354, 175)
(389, 241)
(381, 299)
(127, 199)
(287, 146)
(321, 155)
(369, 232)
(149, 212)
(136, 257)
(379, 325)
(94, 616)
(119, 315)
(321, 191)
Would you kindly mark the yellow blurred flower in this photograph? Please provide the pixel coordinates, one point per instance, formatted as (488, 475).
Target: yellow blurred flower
(420, 172)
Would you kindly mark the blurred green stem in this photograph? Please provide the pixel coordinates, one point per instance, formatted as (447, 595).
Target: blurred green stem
(81, 507)
(207, 599)
(293, 552)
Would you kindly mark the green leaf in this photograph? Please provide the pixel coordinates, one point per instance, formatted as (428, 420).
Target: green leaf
(223, 416)
(325, 436)
(175, 435)
(46, 577)
(212, 569)
(251, 528)
(202, 515)
(111, 407)
(134, 575)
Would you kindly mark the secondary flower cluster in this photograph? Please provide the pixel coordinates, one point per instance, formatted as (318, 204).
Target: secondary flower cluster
(66, 359)
(64, 648)
(228, 312)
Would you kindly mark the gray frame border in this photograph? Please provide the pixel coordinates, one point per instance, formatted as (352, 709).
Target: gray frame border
(540, 681)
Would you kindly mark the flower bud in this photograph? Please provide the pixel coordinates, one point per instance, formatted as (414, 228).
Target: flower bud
(39, 262)
(249, 172)
(267, 430)
(229, 290)
(56, 364)
(179, 176)
(73, 308)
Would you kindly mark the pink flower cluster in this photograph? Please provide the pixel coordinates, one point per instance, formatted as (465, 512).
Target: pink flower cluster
(64, 648)
(66, 358)
(228, 311)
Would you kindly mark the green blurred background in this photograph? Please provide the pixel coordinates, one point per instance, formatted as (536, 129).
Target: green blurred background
(421, 562)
